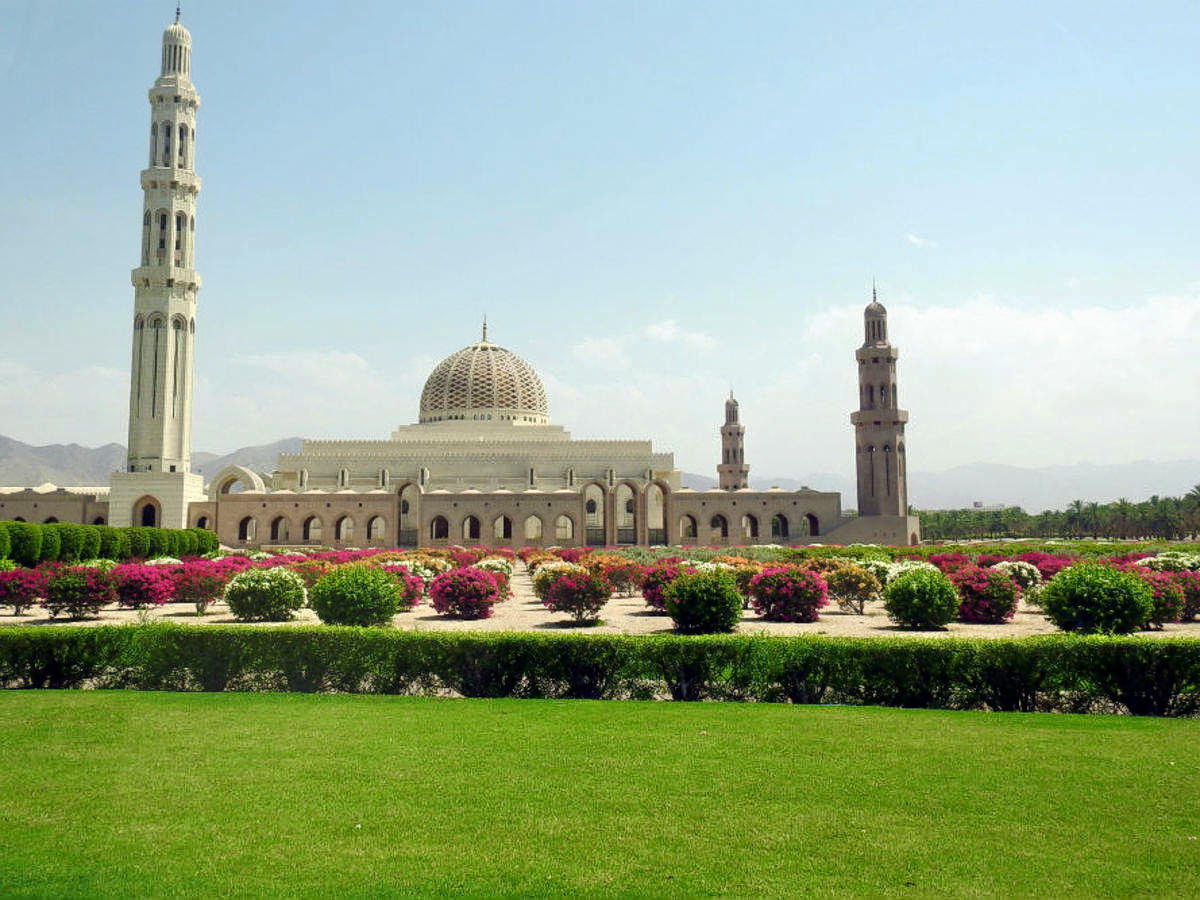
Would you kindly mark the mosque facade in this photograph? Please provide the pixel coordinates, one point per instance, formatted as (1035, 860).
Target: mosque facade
(482, 465)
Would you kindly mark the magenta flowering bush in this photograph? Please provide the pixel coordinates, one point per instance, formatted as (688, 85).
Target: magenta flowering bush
(21, 588)
(581, 594)
(140, 585)
(1189, 583)
(200, 582)
(788, 594)
(657, 576)
(465, 593)
(412, 588)
(985, 595)
(1048, 564)
(1169, 601)
(76, 590)
(949, 562)
(573, 554)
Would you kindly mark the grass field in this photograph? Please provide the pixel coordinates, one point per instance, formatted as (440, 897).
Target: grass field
(128, 793)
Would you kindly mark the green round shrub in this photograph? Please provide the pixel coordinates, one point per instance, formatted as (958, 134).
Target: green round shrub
(264, 595)
(1093, 598)
(5, 542)
(26, 543)
(91, 542)
(921, 598)
(355, 595)
(160, 542)
(51, 543)
(703, 602)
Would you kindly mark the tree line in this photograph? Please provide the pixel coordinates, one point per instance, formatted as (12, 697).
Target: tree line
(1159, 518)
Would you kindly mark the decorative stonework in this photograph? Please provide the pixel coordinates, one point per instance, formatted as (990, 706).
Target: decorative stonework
(484, 383)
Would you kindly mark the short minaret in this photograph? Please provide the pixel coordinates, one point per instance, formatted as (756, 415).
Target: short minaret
(164, 315)
(879, 421)
(732, 470)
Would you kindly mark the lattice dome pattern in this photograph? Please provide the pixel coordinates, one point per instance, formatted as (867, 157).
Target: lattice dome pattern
(484, 382)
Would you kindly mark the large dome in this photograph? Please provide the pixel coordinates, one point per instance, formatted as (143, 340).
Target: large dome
(484, 383)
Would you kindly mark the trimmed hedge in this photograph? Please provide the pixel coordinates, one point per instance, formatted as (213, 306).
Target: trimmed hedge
(1141, 676)
(28, 543)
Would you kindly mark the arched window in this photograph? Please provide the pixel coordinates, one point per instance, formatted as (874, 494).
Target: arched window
(883, 396)
(166, 144)
(533, 528)
(49, 520)
(311, 529)
(590, 507)
(471, 529)
(146, 223)
(812, 526)
(343, 529)
(779, 526)
(303, 479)
(183, 135)
(564, 529)
(719, 527)
(279, 530)
(247, 530)
(439, 528)
(502, 528)
(149, 515)
(343, 477)
(749, 527)
(99, 520)
(687, 528)
(377, 528)
(895, 397)
(385, 478)
(870, 396)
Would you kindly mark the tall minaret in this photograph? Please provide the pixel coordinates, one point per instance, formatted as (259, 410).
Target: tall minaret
(879, 422)
(732, 470)
(165, 285)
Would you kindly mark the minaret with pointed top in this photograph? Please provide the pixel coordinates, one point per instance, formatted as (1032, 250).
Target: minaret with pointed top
(732, 471)
(164, 317)
(879, 422)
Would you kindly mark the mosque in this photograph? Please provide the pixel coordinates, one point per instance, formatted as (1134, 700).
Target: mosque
(483, 464)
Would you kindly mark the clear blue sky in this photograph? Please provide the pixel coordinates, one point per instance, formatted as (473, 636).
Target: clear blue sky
(651, 202)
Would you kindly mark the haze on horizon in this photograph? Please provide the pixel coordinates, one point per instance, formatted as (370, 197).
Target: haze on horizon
(651, 204)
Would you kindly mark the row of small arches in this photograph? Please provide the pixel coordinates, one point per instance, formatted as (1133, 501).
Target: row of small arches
(470, 529)
(311, 529)
(161, 136)
(718, 527)
(176, 59)
(886, 400)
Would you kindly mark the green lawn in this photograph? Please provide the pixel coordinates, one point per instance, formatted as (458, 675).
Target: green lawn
(128, 793)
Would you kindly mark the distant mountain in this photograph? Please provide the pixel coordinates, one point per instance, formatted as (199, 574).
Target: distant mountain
(71, 464)
(62, 464)
(261, 458)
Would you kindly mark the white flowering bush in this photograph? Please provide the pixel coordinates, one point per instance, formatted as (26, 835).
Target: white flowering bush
(164, 561)
(1172, 561)
(548, 572)
(896, 569)
(260, 555)
(104, 565)
(496, 564)
(265, 595)
(877, 567)
(1024, 575)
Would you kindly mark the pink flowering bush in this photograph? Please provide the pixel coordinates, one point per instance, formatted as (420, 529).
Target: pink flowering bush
(985, 595)
(465, 593)
(788, 594)
(1189, 583)
(949, 562)
(1168, 603)
(139, 585)
(77, 591)
(581, 594)
(656, 578)
(21, 588)
(1047, 564)
(412, 588)
(573, 554)
(200, 582)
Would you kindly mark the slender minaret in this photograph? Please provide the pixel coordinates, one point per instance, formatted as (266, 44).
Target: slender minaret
(165, 285)
(732, 470)
(879, 422)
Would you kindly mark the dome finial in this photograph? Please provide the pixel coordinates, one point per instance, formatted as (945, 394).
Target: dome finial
(874, 296)
(484, 338)
(176, 13)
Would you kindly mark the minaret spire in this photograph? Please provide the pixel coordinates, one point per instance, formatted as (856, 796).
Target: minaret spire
(176, 13)
(484, 338)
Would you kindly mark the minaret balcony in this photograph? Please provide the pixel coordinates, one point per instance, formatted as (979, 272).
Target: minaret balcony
(165, 276)
(165, 179)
